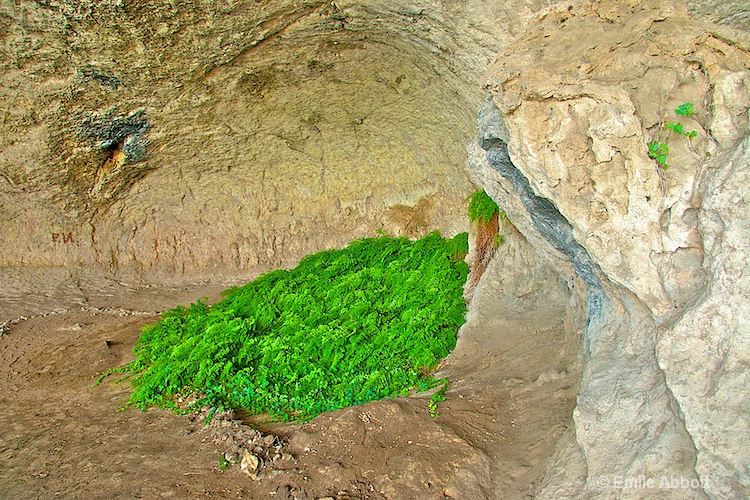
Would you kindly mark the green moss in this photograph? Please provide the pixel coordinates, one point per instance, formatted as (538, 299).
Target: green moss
(498, 240)
(458, 246)
(482, 207)
(438, 397)
(344, 327)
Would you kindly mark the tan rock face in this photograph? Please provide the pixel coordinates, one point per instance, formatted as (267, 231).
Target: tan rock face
(198, 139)
(705, 355)
(620, 85)
(731, 13)
(564, 149)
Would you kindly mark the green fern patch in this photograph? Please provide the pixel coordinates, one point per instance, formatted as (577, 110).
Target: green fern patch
(344, 327)
(481, 207)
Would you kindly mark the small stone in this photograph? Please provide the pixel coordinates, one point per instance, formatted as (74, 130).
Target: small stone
(283, 491)
(250, 464)
(450, 492)
(269, 439)
(258, 450)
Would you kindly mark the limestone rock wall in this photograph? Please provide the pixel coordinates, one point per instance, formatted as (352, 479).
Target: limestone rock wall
(165, 139)
(731, 13)
(656, 256)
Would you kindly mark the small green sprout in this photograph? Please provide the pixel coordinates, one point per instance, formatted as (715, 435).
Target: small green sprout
(675, 127)
(685, 109)
(498, 240)
(438, 397)
(658, 151)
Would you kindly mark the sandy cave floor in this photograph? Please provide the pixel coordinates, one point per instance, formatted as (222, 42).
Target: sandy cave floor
(514, 374)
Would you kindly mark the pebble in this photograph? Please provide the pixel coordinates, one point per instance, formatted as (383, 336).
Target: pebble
(250, 464)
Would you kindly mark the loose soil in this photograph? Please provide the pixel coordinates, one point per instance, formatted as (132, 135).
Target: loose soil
(513, 384)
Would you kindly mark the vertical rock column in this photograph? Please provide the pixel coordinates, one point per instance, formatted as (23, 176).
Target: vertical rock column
(648, 246)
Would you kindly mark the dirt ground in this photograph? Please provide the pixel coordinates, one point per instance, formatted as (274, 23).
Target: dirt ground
(513, 384)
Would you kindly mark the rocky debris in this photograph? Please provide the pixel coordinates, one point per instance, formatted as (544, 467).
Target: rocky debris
(250, 462)
(257, 454)
(6, 326)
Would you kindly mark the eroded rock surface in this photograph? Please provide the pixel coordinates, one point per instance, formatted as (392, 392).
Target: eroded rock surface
(654, 252)
(161, 140)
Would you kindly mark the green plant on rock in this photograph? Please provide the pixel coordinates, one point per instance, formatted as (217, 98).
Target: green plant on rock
(481, 207)
(498, 240)
(366, 322)
(685, 109)
(659, 150)
(437, 397)
(488, 220)
(678, 128)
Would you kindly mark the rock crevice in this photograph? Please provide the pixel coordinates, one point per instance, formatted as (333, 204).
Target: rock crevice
(545, 217)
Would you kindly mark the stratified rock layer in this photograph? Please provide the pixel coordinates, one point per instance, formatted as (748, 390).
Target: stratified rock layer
(658, 253)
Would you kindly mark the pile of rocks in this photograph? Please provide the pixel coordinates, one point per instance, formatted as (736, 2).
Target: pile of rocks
(257, 454)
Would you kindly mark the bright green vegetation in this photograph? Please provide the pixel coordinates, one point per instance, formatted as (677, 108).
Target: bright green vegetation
(344, 327)
(685, 109)
(678, 128)
(497, 240)
(438, 397)
(659, 150)
(482, 207)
